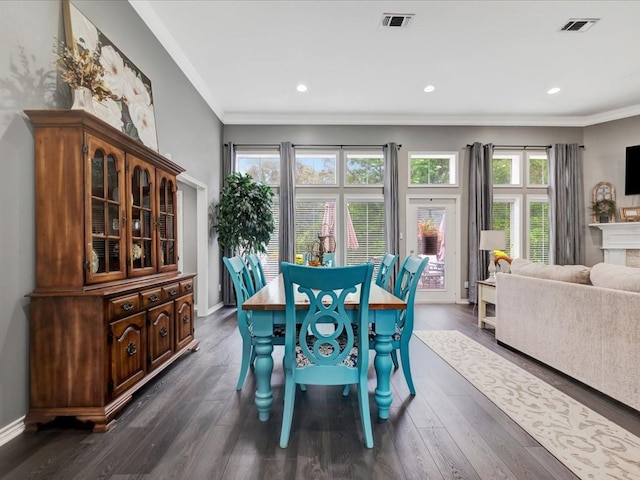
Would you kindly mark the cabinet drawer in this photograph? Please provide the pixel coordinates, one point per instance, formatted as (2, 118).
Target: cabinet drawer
(151, 298)
(170, 292)
(186, 287)
(121, 306)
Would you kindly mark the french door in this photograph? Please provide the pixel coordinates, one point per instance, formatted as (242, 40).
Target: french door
(432, 231)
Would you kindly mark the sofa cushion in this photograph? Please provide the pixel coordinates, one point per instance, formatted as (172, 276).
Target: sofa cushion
(620, 277)
(561, 273)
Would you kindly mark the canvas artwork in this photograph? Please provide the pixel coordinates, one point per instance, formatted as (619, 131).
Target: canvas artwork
(130, 108)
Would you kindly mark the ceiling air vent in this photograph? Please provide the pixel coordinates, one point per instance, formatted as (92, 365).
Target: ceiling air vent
(396, 19)
(579, 24)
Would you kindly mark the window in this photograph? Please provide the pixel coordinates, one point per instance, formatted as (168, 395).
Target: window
(538, 219)
(365, 236)
(263, 167)
(364, 169)
(506, 216)
(538, 170)
(314, 216)
(316, 168)
(433, 169)
(506, 169)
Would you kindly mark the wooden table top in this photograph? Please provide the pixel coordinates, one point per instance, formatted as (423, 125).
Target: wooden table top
(272, 297)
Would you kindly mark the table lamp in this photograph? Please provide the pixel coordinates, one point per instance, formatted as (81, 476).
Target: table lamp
(492, 240)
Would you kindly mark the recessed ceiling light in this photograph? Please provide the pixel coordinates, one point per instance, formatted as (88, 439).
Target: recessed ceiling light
(301, 88)
(553, 91)
(429, 88)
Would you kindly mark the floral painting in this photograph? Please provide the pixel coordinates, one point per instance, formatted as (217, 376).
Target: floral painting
(130, 106)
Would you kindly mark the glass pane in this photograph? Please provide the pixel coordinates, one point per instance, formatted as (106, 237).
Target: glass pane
(98, 256)
(163, 196)
(316, 169)
(538, 170)
(366, 233)
(170, 231)
(114, 220)
(146, 253)
(136, 254)
(432, 244)
(136, 222)
(136, 180)
(146, 191)
(503, 219)
(146, 222)
(97, 174)
(432, 170)
(271, 261)
(263, 167)
(171, 257)
(539, 232)
(112, 178)
(170, 197)
(506, 169)
(114, 255)
(313, 218)
(97, 217)
(365, 170)
(163, 226)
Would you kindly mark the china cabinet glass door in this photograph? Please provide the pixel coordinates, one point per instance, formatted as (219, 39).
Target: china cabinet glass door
(167, 228)
(142, 219)
(104, 257)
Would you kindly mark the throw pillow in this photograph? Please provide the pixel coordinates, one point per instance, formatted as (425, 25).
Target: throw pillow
(619, 277)
(561, 273)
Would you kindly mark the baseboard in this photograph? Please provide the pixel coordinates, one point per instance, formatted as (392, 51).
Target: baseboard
(215, 308)
(11, 431)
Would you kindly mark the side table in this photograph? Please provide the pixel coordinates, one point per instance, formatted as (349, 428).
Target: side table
(486, 294)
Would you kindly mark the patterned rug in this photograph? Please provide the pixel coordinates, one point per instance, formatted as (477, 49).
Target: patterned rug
(591, 446)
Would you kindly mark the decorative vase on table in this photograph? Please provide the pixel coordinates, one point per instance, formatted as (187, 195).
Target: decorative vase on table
(83, 99)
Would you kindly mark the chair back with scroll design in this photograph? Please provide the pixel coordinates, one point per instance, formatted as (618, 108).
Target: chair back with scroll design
(243, 287)
(385, 270)
(325, 350)
(257, 272)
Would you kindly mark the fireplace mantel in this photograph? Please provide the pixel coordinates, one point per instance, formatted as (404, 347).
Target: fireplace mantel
(617, 238)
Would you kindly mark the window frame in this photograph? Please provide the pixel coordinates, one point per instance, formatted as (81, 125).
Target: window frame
(453, 168)
(516, 168)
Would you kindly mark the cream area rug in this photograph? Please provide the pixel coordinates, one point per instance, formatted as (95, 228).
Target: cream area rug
(591, 446)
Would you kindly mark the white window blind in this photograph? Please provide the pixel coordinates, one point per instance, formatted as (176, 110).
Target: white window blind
(539, 231)
(366, 242)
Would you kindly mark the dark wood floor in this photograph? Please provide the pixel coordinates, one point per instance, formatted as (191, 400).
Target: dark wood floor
(192, 424)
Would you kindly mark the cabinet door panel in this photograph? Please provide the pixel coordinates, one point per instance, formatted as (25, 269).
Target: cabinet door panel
(167, 222)
(161, 327)
(184, 321)
(142, 217)
(105, 260)
(128, 352)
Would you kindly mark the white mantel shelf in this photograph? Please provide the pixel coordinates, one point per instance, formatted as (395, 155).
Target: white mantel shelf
(617, 238)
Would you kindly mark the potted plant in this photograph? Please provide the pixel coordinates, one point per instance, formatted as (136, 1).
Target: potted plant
(429, 234)
(243, 218)
(604, 210)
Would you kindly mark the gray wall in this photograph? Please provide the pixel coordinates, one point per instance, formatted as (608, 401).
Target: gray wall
(181, 118)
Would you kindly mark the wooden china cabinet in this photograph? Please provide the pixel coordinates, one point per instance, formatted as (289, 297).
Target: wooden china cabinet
(110, 310)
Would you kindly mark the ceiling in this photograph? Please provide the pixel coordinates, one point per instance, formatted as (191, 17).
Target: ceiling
(492, 62)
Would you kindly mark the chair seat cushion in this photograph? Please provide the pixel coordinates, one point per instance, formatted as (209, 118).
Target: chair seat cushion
(350, 361)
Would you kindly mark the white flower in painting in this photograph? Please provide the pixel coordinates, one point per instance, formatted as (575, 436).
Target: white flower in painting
(84, 32)
(135, 90)
(143, 118)
(115, 72)
(110, 111)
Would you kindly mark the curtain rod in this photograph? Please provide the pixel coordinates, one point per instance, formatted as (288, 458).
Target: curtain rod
(523, 147)
(255, 145)
(303, 145)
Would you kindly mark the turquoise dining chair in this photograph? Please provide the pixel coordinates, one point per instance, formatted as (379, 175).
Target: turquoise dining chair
(243, 287)
(404, 288)
(385, 270)
(325, 350)
(257, 272)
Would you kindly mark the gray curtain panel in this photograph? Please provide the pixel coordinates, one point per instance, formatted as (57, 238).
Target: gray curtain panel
(228, 167)
(391, 199)
(480, 211)
(566, 205)
(287, 205)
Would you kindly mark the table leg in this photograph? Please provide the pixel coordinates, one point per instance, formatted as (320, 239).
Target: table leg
(383, 366)
(263, 371)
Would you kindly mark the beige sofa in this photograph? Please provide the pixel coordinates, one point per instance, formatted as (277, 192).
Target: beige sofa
(584, 322)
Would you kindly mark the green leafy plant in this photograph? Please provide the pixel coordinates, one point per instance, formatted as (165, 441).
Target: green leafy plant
(605, 206)
(243, 218)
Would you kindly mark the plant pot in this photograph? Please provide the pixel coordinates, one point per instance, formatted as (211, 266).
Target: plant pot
(429, 245)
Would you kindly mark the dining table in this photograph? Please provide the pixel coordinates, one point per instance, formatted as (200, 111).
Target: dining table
(267, 307)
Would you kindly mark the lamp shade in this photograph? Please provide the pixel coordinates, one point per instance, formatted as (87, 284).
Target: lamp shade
(492, 240)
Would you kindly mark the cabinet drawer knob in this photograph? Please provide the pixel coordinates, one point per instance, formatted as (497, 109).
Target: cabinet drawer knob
(132, 349)
(173, 292)
(163, 332)
(185, 319)
(127, 306)
(187, 286)
(154, 298)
